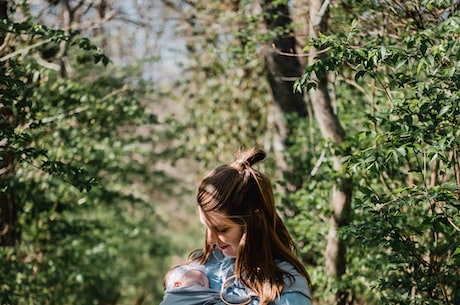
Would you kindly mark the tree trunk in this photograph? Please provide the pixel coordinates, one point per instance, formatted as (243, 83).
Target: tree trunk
(3, 10)
(9, 232)
(283, 68)
(8, 209)
(332, 130)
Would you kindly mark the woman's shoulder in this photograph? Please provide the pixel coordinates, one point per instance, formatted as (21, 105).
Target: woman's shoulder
(295, 281)
(293, 298)
(296, 289)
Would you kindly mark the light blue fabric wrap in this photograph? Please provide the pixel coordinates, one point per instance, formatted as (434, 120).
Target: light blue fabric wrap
(193, 295)
(219, 268)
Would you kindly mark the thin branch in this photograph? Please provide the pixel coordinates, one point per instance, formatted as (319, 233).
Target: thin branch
(453, 224)
(299, 55)
(318, 163)
(456, 170)
(24, 50)
(5, 41)
(323, 9)
(76, 110)
(83, 108)
(46, 64)
(355, 85)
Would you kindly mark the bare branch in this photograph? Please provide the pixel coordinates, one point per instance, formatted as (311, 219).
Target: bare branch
(24, 50)
(46, 64)
(299, 55)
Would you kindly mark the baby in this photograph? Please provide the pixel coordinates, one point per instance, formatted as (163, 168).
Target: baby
(194, 280)
(186, 275)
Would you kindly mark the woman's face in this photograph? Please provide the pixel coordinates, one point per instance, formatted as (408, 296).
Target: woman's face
(222, 232)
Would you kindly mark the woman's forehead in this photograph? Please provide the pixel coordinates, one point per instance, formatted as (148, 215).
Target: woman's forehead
(214, 218)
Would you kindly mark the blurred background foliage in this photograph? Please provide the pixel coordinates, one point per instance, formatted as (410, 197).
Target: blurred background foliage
(111, 111)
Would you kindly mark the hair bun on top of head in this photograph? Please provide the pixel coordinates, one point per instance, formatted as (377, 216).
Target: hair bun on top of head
(243, 163)
(250, 157)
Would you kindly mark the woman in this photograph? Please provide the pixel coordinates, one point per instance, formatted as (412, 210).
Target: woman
(248, 250)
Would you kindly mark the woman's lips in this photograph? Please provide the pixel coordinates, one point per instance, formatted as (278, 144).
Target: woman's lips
(223, 247)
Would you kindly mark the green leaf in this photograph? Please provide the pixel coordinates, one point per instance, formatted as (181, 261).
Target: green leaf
(359, 74)
(456, 252)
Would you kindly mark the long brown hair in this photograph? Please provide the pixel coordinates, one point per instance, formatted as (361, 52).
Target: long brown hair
(246, 196)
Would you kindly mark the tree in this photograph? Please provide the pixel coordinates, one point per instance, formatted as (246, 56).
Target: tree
(358, 75)
(333, 131)
(82, 173)
(220, 115)
(221, 87)
(401, 200)
(372, 78)
(8, 212)
(389, 79)
(283, 67)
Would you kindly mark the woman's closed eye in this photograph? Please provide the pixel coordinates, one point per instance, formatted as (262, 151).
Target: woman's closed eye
(221, 229)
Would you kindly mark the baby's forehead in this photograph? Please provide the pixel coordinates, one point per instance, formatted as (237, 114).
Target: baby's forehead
(189, 270)
(195, 272)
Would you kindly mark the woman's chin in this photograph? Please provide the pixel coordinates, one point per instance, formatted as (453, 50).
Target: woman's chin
(228, 251)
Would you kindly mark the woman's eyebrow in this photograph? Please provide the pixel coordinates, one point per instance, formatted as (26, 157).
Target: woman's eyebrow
(217, 227)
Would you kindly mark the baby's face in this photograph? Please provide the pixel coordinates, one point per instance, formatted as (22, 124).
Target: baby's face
(194, 278)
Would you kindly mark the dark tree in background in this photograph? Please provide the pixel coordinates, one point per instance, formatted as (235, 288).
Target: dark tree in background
(80, 186)
(9, 231)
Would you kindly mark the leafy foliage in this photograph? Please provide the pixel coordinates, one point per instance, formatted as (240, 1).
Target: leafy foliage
(395, 92)
(84, 145)
(405, 154)
(79, 149)
(222, 88)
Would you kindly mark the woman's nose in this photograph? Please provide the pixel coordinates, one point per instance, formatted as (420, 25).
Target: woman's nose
(211, 238)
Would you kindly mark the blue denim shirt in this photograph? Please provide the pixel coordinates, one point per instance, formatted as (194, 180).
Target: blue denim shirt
(219, 268)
